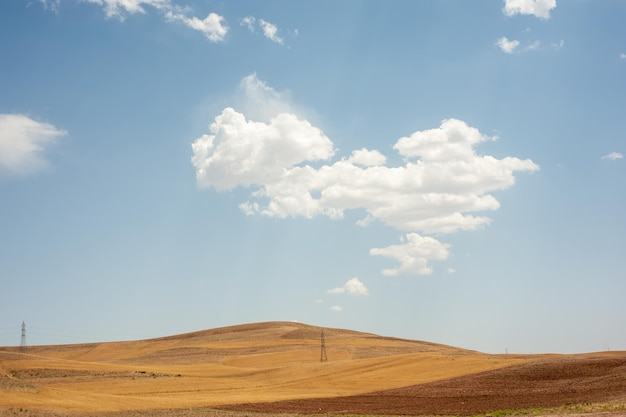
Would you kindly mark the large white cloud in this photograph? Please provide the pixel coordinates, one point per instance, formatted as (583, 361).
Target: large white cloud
(442, 180)
(443, 186)
(538, 8)
(23, 142)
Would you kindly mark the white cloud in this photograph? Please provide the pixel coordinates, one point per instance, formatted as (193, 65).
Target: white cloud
(428, 195)
(119, 8)
(270, 31)
(352, 287)
(367, 158)
(52, 5)
(213, 27)
(440, 184)
(451, 270)
(507, 46)
(613, 156)
(23, 142)
(622, 55)
(336, 308)
(249, 22)
(538, 8)
(413, 254)
(513, 46)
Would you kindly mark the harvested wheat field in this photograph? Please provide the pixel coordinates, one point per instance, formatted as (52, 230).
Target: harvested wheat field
(276, 367)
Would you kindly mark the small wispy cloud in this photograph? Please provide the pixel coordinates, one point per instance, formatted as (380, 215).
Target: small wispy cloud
(613, 156)
(213, 26)
(270, 30)
(52, 5)
(352, 287)
(533, 46)
(514, 46)
(336, 308)
(507, 46)
(558, 45)
(119, 9)
(249, 22)
(537, 8)
(622, 56)
(23, 142)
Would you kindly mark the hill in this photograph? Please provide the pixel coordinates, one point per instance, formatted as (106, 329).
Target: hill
(246, 364)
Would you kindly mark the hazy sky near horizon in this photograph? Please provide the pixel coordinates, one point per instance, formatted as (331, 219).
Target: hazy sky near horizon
(448, 171)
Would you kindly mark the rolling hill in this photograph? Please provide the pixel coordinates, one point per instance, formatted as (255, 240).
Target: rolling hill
(274, 362)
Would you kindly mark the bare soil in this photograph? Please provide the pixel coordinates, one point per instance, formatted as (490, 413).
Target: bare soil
(545, 383)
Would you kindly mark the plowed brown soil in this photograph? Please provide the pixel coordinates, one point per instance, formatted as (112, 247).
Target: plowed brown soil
(545, 383)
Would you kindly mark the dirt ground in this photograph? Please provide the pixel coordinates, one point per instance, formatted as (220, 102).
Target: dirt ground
(546, 383)
(273, 369)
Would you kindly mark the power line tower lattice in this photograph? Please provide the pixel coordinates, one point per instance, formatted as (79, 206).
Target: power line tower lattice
(323, 357)
(23, 341)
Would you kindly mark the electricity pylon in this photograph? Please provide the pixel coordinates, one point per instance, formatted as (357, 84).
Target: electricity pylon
(323, 357)
(23, 341)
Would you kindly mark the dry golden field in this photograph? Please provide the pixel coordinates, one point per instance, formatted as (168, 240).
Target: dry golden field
(254, 363)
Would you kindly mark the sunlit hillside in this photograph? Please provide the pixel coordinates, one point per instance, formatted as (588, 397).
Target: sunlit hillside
(246, 363)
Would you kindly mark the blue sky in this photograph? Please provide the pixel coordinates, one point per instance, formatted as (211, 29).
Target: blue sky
(448, 171)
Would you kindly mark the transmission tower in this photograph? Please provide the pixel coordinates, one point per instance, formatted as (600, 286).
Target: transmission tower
(323, 357)
(23, 341)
